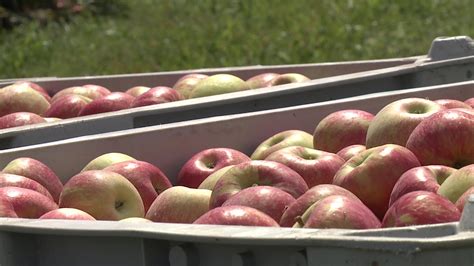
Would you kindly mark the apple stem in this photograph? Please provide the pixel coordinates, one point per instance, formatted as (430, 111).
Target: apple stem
(299, 220)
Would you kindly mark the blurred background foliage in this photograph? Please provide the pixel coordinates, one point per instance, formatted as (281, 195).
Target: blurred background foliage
(74, 38)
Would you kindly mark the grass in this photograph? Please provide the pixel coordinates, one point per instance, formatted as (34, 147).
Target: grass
(184, 34)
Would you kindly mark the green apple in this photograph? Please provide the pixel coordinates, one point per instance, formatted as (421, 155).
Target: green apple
(218, 84)
(107, 159)
(282, 140)
(457, 183)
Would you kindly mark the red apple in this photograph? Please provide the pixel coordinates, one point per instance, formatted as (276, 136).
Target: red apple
(341, 129)
(26, 203)
(6, 208)
(103, 194)
(38, 171)
(20, 119)
(396, 121)
(426, 178)
(89, 91)
(288, 78)
(463, 199)
(67, 214)
(206, 162)
(148, 179)
(444, 138)
(35, 87)
(157, 95)
(451, 103)
(104, 160)
(314, 194)
(186, 84)
(340, 212)
(470, 102)
(350, 151)
(316, 167)
(261, 80)
(218, 84)
(10, 180)
(420, 207)
(22, 98)
(457, 183)
(270, 200)
(372, 174)
(281, 140)
(236, 215)
(137, 90)
(112, 102)
(67, 106)
(179, 205)
(252, 173)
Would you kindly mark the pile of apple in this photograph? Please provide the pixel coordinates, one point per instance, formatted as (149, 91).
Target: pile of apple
(26, 103)
(410, 164)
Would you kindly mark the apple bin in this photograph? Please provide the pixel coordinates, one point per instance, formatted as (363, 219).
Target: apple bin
(449, 60)
(56, 242)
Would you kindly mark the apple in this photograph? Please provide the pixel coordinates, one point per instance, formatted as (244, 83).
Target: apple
(288, 78)
(341, 129)
(261, 80)
(22, 98)
(282, 140)
(236, 215)
(206, 162)
(6, 208)
(10, 180)
(135, 220)
(137, 90)
(26, 203)
(419, 208)
(338, 211)
(313, 195)
(396, 121)
(218, 84)
(157, 95)
(67, 106)
(212, 179)
(179, 205)
(426, 178)
(38, 171)
(444, 138)
(316, 167)
(461, 202)
(35, 87)
(107, 159)
(20, 119)
(148, 179)
(112, 102)
(470, 102)
(372, 174)
(103, 194)
(451, 103)
(67, 214)
(270, 200)
(89, 91)
(350, 151)
(186, 84)
(457, 183)
(252, 173)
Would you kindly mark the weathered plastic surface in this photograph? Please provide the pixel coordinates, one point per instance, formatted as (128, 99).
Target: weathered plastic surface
(388, 79)
(55, 242)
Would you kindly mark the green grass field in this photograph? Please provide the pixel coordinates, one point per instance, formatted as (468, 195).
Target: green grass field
(184, 34)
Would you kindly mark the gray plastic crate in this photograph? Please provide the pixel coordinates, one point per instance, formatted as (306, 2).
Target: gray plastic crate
(413, 75)
(54, 242)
